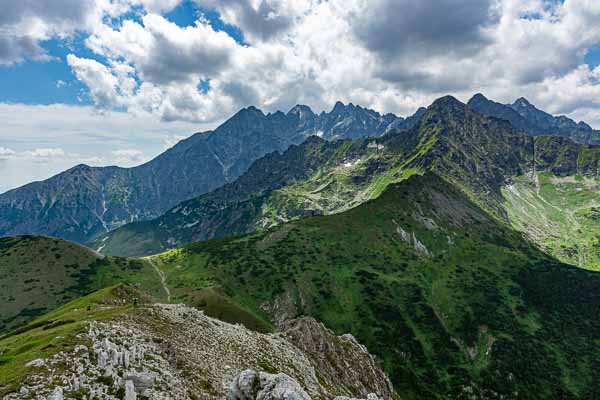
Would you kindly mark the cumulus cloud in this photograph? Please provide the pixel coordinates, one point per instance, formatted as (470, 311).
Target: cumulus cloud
(152, 82)
(163, 52)
(102, 83)
(390, 55)
(45, 155)
(394, 55)
(395, 28)
(260, 20)
(24, 24)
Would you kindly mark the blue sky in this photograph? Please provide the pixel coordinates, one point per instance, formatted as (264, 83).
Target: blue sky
(34, 82)
(117, 82)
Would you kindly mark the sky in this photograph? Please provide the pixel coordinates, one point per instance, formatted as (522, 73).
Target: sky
(116, 82)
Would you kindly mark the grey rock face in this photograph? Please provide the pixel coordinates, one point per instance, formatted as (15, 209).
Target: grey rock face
(57, 394)
(332, 355)
(252, 385)
(130, 393)
(176, 352)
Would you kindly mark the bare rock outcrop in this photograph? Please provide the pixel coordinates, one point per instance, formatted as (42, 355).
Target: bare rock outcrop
(342, 361)
(177, 352)
(252, 385)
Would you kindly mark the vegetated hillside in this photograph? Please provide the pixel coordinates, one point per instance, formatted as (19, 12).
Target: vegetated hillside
(455, 303)
(479, 154)
(38, 274)
(83, 202)
(175, 351)
(327, 178)
(316, 177)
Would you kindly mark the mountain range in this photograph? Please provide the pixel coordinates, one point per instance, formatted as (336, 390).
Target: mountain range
(458, 247)
(84, 201)
(526, 117)
(319, 178)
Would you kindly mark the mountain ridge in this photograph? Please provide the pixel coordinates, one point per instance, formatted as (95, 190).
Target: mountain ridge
(526, 117)
(479, 154)
(85, 201)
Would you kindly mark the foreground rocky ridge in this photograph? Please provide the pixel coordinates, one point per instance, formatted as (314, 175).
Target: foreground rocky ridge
(176, 352)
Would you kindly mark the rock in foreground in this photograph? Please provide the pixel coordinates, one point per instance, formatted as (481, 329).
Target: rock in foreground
(176, 352)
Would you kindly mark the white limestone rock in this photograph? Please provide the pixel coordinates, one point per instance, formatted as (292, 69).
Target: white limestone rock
(130, 393)
(252, 385)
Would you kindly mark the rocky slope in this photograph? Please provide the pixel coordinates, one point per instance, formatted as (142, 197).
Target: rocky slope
(176, 352)
(85, 201)
(525, 117)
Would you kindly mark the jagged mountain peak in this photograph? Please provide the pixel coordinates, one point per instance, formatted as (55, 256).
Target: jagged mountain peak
(339, 106)
(79, 168)
(247, 112)
(583, 126)
(420, 111)
(478, 97)
(522, 102)
(301, 111)
(447, 105)
(447, 102)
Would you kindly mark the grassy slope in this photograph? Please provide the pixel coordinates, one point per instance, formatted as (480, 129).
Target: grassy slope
(483, 308)
(54, 332)
(561, 214)
(38, 274)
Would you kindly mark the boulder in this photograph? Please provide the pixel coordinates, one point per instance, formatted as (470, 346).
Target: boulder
(252, 385)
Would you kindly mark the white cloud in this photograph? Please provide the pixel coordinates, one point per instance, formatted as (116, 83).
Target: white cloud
(45, 154)
(263, 19)
(393, 55)
(6, 153)
(103, 85)
(390, 55)
(128, 157)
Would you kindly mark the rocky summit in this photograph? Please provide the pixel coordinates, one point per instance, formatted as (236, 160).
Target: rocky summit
(173, 351)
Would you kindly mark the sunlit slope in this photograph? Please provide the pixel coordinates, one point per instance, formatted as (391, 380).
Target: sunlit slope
(561, 214)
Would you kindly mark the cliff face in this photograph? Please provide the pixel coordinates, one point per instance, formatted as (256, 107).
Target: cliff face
(175, 351)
